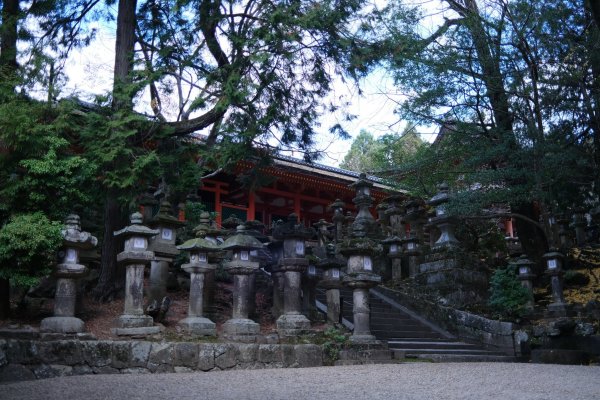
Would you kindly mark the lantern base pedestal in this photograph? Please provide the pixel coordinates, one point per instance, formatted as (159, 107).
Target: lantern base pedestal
(135, 325)
(241, 330)
(364, 339)
(198, 326)
(557, 310)
(292, 325)
(62, 325)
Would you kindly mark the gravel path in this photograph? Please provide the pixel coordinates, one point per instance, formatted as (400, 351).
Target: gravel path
(396, 381)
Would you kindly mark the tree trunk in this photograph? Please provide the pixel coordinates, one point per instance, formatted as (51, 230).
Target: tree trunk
(4, 298)
(110, 283)
(8, 44)
(124, 47)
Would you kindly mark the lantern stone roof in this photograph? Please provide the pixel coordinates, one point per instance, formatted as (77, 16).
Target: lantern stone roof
(199, 244)
(136, 228)
(165, 218)
(241, 240)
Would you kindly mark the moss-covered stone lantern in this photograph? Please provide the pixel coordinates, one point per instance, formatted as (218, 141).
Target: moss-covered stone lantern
(525, 275)
(554, 268)
(338, 219)
(360, 251)
(163, 246)
(332, 282)
(442, 220)
(199, 250)
(293, 264)
(67, 273)
(135, 256)
(240, 327)
(395, 253)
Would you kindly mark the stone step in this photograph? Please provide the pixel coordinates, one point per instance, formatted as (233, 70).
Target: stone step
(430, 344)
(456, 357)
(413, 352)
(385, 335)
(399, 327)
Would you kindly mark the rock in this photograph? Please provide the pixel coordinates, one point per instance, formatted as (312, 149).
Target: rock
(97, 353)
(3, 359)
(16, 372)
(82, 370)
(121, 354)
(309, 355)
(22, 352)
(185, 355)
(584, 329)
(140, 352)
(135, 371)
(564, 325)
(105, 370)
(247, 352)
(269, 353)
(161, 357)
(206, 357)
(61, 351)
(225, 356)
(179, 370)
(44, 371)
(558, 356)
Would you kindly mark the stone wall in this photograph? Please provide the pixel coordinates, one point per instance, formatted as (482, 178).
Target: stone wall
(497, 335)
(38, 359)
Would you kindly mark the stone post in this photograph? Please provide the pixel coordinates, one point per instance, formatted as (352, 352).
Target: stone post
(563, 231)
(332, 282)
(195, 323)
(135, 257)
(382, 218)
(526, 276)
(323, 235)
(67, 273)
(395, 253)
(311, 276)
(338, 219)
(554, 268)
(412, 252)
(360, 251)
(240, 327)
(163, 246)
(394, 215)
(579, 223)
(276, 249)
(442, 221)
(293, 263)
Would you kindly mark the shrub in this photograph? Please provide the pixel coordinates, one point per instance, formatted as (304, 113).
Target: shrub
(507, 296)
(28, 246)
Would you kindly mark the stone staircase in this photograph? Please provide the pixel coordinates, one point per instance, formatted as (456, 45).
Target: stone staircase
(410, 336)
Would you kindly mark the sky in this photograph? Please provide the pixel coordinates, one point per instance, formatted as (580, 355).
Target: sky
(89, 72)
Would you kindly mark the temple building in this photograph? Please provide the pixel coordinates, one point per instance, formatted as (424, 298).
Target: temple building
(305, 189)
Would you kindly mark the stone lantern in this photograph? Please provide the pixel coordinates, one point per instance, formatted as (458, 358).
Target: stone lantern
(312, 275)
(579, 223)
(240, 327)
(412, 251)
(338, 219)
(207, 229)
(441, 220)
(322, 228)
(382, 218)
(394, 214)
(554, 268)
(332, 282)
(163, 246)
(293, 263)
(526, 276)
(415, 217)
(395, 253)
(67, 273)
(135, 256)
(360, 251)
(199, 250)
(563, 231)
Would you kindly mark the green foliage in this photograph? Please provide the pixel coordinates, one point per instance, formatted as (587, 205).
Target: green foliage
(507, 296)
(368, 154)
(333, 341)
(28, 246)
